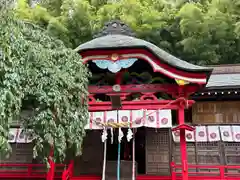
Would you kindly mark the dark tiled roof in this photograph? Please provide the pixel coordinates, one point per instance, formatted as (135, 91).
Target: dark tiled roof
(123, 41)
(223, 80)
(226, 69)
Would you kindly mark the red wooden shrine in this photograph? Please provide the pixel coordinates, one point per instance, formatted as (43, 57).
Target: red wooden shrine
(131, 75)
(184, 79)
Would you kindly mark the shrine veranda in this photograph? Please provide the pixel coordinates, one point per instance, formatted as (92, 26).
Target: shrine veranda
(151, 116)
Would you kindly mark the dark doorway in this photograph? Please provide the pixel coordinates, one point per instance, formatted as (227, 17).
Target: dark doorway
(126, 148)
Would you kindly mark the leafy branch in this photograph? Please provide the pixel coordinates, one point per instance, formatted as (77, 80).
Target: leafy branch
(38, 73)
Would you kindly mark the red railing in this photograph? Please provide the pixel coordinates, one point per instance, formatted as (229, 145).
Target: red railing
(22, 171)
(67, 173)
(207, 172)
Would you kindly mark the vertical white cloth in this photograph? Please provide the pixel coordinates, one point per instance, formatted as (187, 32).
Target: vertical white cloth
(104, 135)
(151, 119)
(190, 136)
(112, 136)
(226, 133)
(236, 133)
(201, 134)
(165, 118)
(138, 118)
(13, 133)
(213, 133)
(21, 136)
(176, 136)
(120, 135)
(129, 135)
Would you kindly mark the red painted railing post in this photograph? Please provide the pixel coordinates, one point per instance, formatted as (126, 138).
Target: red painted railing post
(71, 169)
(64, 175)
(222, 173)
(50, 174)
(174, 177)
(183, 144)
(29, 170)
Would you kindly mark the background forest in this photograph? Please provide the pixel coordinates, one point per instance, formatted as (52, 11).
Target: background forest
(198, 31)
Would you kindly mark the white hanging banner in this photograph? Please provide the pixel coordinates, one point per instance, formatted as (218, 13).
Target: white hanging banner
(12, 137)
(90, 121)
(165, 118)
(213, 133)
(236, 133)
(201, 134)
(29, 136)
(138, 118)
(124, 116)
(176, 136)
(21, 136)
(111, 116)
(130, 118)
(151, 119)
(226, 133)
(190, 137)
(95, 120)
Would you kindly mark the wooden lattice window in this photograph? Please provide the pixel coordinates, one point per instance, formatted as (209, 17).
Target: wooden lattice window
(232, 153)
(176, 156)
(208, 153)
(21, 153)
(158, 151)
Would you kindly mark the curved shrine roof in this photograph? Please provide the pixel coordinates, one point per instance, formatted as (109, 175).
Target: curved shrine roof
(117, 35)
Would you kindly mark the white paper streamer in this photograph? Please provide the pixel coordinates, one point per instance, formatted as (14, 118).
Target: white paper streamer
(120, 135)
(104, 135)
(112, 136)
(129, 135)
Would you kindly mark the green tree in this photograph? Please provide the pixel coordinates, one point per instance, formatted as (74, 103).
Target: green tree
(41, 75)
(199, 31)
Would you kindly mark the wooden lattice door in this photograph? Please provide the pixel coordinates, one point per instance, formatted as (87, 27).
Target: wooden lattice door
(158, 151)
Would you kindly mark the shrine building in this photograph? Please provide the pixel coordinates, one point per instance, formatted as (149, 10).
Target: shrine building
(152, 116)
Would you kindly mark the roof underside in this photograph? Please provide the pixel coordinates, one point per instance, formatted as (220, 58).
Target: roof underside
(115, 41)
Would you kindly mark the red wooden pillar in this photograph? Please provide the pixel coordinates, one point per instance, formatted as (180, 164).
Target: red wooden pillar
(183, 144)
(50, 174)
(71, 169)
(182, 127)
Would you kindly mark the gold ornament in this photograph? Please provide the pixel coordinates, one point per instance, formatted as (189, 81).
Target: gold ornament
(181, 82)
(114, 57)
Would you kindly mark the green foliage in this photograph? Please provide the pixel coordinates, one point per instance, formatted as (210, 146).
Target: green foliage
(38, 73)
(198, 31)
